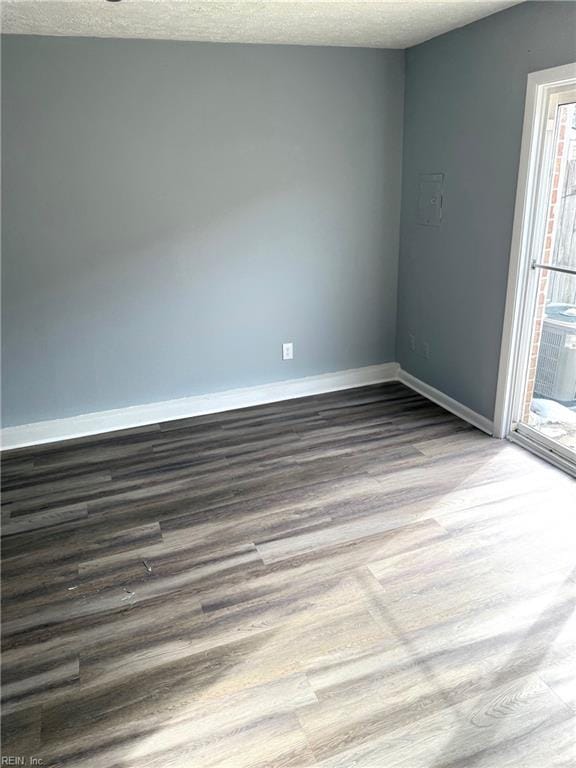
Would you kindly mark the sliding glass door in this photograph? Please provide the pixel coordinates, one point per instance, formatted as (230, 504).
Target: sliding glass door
(548, 408)
(537, 387)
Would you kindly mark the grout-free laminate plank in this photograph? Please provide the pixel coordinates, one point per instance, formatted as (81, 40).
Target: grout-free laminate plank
(350, 580)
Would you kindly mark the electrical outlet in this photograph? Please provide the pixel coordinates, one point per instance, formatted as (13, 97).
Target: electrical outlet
(412, 341)
(287, 350)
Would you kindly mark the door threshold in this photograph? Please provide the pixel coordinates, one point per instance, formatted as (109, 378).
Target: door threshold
(543, 452)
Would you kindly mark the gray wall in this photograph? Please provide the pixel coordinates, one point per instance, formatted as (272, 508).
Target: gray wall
(463, 116)
(174, 211)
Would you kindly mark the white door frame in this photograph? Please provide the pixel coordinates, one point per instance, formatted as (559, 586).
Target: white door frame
(513, 352)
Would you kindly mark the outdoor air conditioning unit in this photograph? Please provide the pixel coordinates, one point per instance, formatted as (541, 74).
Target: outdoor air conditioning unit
(556, 371)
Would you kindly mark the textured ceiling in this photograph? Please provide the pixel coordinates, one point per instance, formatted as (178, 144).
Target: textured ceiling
(370, 23)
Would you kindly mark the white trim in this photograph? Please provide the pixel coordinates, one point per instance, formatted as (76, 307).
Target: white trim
(548, 454)
(140, 415)
(481, 422)
(86, 424)
(510, 373)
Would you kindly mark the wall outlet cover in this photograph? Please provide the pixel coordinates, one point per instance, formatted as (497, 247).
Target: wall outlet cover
(287, 350)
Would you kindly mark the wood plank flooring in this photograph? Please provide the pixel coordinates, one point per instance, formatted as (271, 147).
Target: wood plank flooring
(354, 580)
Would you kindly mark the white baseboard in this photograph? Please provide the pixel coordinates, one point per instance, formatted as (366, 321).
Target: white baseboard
(140, 415)
(481, 422)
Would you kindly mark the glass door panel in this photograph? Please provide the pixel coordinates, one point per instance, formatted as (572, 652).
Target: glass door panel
(547, 413)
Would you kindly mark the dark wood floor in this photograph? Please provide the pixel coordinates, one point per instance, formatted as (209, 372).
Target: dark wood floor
(355, 580)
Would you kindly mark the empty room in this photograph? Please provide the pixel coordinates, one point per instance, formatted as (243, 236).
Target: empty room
(288, 384)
